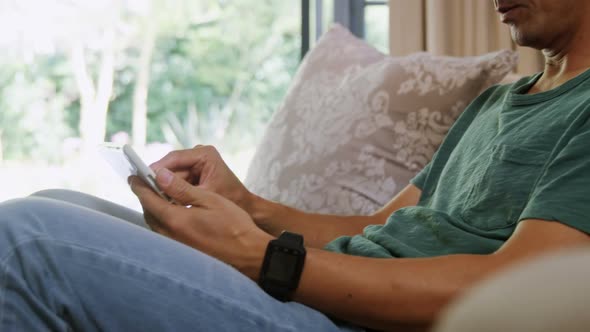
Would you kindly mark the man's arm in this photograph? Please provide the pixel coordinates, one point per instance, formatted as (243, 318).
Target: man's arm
(387, 293)
(376, 293)
(203, 166)
(319, 229)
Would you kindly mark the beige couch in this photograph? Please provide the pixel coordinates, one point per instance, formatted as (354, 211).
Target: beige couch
(548, 294)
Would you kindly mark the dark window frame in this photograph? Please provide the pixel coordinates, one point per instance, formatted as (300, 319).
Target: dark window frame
(349, 13)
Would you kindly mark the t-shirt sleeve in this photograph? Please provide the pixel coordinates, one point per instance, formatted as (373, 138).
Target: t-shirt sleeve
(563, 192)
(420, 179)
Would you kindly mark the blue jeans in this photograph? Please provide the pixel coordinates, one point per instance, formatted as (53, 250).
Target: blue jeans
(80, 266)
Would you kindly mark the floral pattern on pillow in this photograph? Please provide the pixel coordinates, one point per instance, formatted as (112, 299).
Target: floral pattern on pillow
(357, 125)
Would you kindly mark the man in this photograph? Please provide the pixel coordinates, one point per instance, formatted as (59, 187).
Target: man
(509, 182)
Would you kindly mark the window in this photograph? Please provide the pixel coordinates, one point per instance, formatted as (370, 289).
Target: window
(162, 74)
(366, 19)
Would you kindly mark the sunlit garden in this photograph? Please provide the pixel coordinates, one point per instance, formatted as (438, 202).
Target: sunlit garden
(161, 75)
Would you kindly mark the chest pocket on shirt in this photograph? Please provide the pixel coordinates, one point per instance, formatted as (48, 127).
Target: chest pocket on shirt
(503, 183)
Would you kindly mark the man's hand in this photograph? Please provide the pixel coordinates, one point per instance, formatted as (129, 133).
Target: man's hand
(202, 166)
(212, 224)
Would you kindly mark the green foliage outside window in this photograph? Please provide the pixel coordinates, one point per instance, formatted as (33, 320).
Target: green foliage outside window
(216, 71)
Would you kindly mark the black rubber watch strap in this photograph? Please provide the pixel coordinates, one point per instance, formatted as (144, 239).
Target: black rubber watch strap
(282, 287)
(280, 293)
(293, 238)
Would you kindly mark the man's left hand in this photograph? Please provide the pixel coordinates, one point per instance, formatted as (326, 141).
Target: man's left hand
(203, 220)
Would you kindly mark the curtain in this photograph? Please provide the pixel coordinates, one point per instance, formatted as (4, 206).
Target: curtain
(453, 27)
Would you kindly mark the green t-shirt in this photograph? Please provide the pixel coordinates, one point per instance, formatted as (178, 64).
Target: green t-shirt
(509, 157)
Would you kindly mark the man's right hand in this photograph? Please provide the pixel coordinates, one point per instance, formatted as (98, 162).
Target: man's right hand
(202, 166)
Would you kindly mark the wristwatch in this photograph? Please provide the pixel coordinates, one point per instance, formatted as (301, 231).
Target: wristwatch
(282, 266)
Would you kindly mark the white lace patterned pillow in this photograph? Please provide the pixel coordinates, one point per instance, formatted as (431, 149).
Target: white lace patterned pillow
(357, 125)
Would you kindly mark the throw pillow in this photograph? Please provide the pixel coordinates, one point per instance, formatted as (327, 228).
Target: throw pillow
(356, 125)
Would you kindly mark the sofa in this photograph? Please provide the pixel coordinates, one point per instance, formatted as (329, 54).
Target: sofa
(548, 294)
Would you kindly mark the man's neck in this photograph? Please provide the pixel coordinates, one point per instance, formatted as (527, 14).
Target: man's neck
(555, 76)
(564, 62)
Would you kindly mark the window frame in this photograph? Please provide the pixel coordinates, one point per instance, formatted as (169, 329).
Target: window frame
(349, 13)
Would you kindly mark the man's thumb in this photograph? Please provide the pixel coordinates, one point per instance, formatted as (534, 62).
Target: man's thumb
(175, 187)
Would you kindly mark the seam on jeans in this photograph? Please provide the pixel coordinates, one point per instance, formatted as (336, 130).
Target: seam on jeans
(3, 269)
(22, 243)
(213, 296)
(220, 298)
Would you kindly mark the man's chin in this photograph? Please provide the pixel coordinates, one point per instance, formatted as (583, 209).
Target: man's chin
(523, 39)
(518, 35)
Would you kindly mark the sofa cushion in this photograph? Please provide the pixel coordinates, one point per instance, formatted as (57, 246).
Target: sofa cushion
(356, 125)
(544, 294)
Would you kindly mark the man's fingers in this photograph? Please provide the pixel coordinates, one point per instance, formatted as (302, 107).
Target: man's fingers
(153, 223)
(182, 159)
(182, 191)
(183, 174)
(149, 200)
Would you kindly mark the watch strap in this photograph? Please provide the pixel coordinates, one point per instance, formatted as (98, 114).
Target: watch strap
(280, 291)
(291, 239)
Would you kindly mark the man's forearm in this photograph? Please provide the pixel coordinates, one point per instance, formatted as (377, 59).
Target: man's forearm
(404, 294)
(388, 294)
(317, 229)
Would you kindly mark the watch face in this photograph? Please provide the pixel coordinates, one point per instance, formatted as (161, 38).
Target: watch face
(282, 265)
